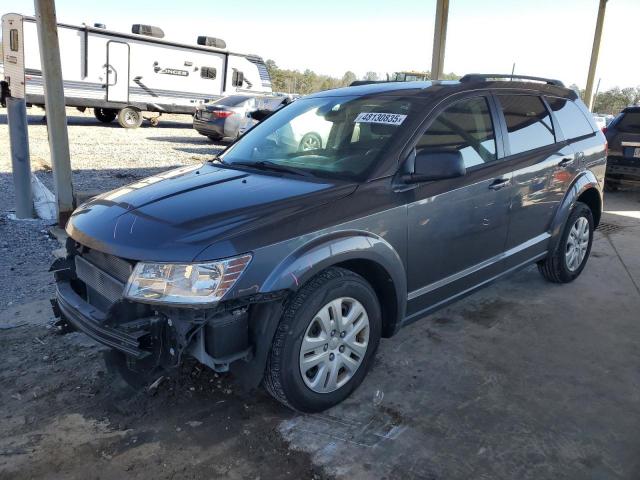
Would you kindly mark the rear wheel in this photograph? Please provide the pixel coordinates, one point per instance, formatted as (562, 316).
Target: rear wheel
(570, 256)
(325, 342)
(130, 117)
(105, 115)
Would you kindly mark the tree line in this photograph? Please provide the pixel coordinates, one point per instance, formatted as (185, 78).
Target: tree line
(308, 81)
(609, 101)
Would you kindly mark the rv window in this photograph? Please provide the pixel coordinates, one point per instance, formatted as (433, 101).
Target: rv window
(13, 40)
(237, 79)
(208, 72)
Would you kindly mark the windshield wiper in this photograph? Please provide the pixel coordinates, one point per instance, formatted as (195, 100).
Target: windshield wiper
(276, 167)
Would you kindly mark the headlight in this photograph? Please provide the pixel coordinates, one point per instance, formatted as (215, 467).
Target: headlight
(191, 283)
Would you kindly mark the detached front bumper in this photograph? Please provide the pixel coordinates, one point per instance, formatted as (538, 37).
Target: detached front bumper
(92, 322)
(89, 298)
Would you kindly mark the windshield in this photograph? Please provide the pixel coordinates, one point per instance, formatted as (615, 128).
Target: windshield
(339, 137)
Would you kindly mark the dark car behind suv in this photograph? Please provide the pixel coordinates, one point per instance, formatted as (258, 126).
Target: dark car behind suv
(623, 160)
(287, 266)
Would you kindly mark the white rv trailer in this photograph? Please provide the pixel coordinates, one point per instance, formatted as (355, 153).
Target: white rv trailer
(120, 75)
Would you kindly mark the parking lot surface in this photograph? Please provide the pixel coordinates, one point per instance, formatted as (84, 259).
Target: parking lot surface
(524, 379)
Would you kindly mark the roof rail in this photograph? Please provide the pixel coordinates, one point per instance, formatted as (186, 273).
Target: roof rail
(483, 77)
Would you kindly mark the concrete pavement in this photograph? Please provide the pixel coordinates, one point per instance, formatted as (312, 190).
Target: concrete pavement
(522, 380)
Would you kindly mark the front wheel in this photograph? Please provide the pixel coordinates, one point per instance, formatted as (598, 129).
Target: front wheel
(325, 342)
(130, 117)
(570, 256)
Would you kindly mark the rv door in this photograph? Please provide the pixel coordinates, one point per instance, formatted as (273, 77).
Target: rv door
(117, 67)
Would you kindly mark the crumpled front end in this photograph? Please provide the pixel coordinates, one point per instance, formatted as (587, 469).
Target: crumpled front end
(90, 289)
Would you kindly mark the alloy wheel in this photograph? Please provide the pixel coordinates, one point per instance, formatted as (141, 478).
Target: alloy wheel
(577, 244)
(334, 345)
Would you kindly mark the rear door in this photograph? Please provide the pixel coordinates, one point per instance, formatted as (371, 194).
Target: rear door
(534, 152)
(117, 68)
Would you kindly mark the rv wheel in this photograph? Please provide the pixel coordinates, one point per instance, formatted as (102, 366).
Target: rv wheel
(105, 115)
(130, 117)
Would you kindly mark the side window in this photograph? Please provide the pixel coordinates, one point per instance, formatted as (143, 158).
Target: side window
(237, 78)
(528, 122)
(571, 119)
(208, 72)
(465, 126)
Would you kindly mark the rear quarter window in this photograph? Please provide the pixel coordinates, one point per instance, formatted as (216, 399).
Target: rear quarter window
(572, 121)
(528, 122)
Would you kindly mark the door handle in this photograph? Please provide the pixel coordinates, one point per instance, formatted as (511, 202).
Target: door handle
(499, 183)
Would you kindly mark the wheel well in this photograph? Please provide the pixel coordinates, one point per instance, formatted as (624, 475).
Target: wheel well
(383, 285)
(591, 198)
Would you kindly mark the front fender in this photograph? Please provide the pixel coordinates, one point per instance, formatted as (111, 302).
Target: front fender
(582, 183)
(334, 248)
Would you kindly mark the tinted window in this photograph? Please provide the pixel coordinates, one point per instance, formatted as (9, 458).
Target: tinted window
(571, 119)
(232, 100)
(630, 122)
(208, 72)
(466, 127)
(528, 122)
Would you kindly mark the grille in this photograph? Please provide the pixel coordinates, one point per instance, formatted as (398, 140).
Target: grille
(103, 283)
(609, 228)
(116, 267)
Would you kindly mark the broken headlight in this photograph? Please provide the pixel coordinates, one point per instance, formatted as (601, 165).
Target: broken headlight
(190, 283)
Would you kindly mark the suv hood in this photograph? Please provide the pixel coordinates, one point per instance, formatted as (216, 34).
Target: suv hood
(174, 216)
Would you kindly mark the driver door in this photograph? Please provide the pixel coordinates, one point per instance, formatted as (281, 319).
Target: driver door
(457, 228)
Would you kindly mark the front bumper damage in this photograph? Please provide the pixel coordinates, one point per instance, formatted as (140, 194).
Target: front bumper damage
(234, 335)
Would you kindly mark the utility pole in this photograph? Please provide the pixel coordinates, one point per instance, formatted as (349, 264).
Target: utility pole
(13, 93)
(595, 95)
(54, 103)
(439, 39)
(595, 51)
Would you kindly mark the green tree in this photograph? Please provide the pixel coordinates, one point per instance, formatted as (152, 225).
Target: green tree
(348, 78)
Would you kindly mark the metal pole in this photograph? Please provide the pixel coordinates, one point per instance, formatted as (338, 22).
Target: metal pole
(439, 39)
(19, 141)
(595, 51)
(55, 108)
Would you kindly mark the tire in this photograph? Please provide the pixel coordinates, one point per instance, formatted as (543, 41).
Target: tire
(130, 117)
(213, 138)
(310, 141)
(284, 372)
(105, 115)
(556, 267)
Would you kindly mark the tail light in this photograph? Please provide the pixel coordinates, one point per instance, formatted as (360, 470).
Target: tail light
(221, 113)
(604, 129)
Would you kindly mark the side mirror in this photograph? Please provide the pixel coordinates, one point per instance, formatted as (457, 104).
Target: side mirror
(260, 114)
(435, 165)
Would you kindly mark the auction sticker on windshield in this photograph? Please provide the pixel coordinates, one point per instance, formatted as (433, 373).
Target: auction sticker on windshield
(386, 118)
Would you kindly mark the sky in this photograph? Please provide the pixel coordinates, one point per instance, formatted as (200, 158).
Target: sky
(551, 38)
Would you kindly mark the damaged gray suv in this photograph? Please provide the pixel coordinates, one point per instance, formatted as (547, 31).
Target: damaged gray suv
(287, 266)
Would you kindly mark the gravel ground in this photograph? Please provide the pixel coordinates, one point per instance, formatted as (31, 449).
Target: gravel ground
(63, 415)
(103, 157)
